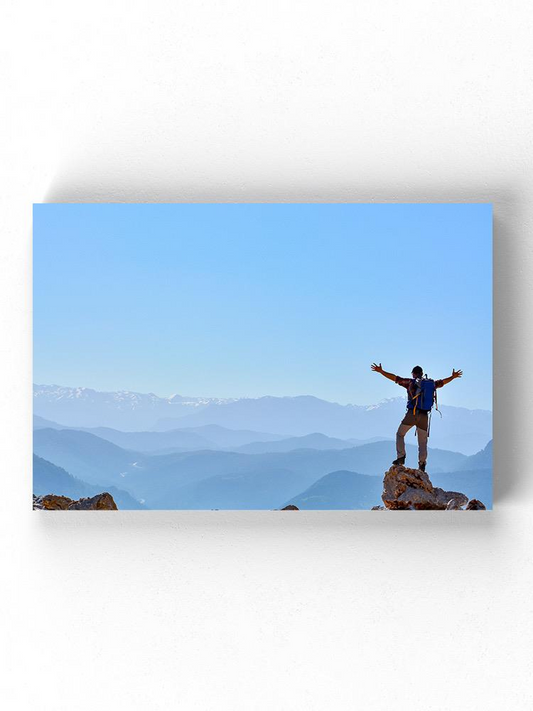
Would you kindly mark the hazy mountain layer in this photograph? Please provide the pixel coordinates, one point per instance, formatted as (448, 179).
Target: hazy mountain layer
(84, 455)
(459, 429)
(476, 483)
(187, 439)
(159, 479)
(50, 479)
(340, 490)
(480, 460)
(247, 490)
(311, 441)
(154, 441)
(223, 437)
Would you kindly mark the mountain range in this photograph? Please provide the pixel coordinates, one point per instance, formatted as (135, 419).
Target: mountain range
(208, 479)
(249, 453)
(85, 407)
(208, 437)
(459, 429)
(187, 439)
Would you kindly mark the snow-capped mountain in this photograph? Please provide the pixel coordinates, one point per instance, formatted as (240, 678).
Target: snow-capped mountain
(124, 409)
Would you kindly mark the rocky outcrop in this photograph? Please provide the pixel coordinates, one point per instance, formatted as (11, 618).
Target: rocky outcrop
(290, 507)
(411, 489)
(475, 505)
(51, 502)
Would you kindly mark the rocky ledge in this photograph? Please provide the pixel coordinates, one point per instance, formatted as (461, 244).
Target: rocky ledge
(51, 502)
(411, 489)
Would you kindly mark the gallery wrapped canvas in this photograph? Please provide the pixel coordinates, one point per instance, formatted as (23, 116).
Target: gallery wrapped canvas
(262, 356)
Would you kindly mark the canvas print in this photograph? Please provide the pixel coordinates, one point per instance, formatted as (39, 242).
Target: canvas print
(279, 357)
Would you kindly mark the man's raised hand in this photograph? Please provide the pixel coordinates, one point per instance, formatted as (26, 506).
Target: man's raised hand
(377, 367)
(457, 373)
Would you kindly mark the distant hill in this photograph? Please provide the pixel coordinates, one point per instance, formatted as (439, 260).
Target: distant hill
(475, 483)
(358, 442)
(153, 441)
(40, 423)
(480, 460)
(250, 490)
(223, 437)
(340, 490)
(459, 429)
(50, 479)
(310, 441)
(186, 439)
(161, 477)
(84, 455)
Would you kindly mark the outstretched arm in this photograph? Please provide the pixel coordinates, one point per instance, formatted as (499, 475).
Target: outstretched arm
(376, 367)
(455, 374)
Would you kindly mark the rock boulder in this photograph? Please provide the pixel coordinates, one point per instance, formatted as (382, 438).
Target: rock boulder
(475, 505)
(51, 502)
(405, 488)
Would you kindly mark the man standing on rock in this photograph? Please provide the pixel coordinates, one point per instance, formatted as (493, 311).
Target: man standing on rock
(421, 395)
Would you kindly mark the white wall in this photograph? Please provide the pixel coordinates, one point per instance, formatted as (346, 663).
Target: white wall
(268, 101)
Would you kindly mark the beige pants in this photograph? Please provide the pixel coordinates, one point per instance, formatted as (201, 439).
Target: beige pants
(420, 421)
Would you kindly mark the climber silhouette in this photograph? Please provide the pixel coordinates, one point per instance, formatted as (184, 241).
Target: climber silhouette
(421, 396)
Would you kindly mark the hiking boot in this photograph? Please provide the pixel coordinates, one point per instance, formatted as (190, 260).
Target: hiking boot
(399, 462)
(422, 466)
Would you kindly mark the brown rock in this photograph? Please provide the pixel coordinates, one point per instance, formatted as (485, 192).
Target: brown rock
(405, 488)
(51, 502)
(290, 507)
(100, 502)
(475, 505)
(445, 497)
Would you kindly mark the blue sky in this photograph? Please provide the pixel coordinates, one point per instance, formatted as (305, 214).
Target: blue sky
(250, 300)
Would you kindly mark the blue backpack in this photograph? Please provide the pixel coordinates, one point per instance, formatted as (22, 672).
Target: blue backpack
(426, 395)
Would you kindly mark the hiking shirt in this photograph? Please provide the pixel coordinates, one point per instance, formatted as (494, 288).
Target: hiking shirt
(410, 385)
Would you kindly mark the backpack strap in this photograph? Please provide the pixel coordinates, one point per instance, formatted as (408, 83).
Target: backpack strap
(415, 399)
(416, 402)
(436, 402)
